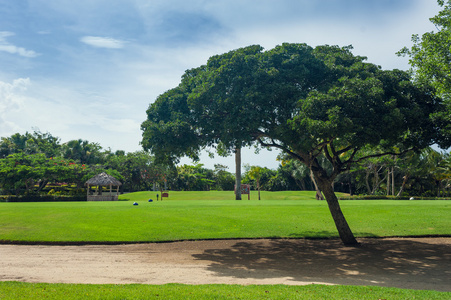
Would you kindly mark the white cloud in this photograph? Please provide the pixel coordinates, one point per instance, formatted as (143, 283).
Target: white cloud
(10, 48)
(102, 42)
(102, 96)
(66, 112)
(11, 100)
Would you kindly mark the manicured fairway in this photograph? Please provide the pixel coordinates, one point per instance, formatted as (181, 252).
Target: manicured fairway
(221, 195)
(286, 214)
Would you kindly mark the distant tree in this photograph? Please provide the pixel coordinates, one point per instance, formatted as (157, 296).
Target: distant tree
(255, 173)
(30, 143)
(224, 180)
(223, 86)
(444, 171)
(298, 172)
(7, 147)
(20, 172)
(429, 56)
(373, 172)
(29, 173)
(269, 180)
(137, 169)
(83, 151)
(433, 163)
(306, 102)
(194, 178)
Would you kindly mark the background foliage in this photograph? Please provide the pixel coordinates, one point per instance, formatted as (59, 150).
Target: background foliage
(37, 163)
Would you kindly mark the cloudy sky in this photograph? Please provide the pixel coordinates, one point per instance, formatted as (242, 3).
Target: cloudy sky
(90, 68)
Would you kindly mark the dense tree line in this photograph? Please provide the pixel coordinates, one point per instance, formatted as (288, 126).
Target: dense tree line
(36, 163)
(426, 173)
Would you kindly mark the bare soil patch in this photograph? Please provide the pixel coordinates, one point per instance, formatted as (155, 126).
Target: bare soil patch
(412, 263)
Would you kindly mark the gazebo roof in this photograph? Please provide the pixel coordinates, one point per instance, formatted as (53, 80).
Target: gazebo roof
(103, 179)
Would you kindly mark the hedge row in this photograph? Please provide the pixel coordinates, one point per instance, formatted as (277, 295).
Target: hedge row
(44, 198)
(379, 197)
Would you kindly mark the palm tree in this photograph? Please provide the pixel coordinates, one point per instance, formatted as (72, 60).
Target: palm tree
(255, 173)
(82, 151)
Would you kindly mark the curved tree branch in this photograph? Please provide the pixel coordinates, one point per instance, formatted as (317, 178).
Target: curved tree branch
(284, 149)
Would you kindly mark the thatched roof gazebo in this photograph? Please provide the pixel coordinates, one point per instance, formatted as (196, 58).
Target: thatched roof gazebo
(99, 181)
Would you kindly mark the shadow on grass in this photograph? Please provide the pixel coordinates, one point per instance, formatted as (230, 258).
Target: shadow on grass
(324, 234)
(402, 263)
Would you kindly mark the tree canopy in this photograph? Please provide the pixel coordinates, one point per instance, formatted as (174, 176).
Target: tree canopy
(430, 58)
(308, 102)
(430, 55)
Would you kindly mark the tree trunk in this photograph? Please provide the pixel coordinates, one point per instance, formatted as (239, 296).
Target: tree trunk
(393, 181)
(319, 195)
(42, 184)
(258, 188)
(238, 173)
(376, 179)
(350, 185)
(388, 181)
(438, 183)
(367, 181)
(29, 186)
(301, 184)
(346, 235)
(406, 177)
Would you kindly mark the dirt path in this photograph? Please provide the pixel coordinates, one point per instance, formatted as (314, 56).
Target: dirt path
(413, 263)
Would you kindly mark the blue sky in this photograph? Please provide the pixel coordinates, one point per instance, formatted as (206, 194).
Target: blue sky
(90, 68)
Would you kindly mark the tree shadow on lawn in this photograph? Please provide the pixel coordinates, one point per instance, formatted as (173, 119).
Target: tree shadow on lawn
(323, 234)
(402, 263)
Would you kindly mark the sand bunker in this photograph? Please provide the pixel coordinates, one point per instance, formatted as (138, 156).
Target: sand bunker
(413, 263)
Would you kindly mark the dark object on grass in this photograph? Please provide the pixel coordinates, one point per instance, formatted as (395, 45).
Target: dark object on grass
(150, 200)
(135, 203)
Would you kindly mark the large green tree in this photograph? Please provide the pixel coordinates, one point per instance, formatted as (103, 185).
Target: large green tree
(83, 151)
(430, 54)
(218, 93)
(29, 173)
(137, 169)
(430, 58)
(307, 102)
(30, 143)
(224, 180)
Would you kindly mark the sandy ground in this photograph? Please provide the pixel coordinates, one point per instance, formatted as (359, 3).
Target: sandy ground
(413, 263)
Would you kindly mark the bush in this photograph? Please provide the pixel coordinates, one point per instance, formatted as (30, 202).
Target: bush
(43, 198)
(381, 197)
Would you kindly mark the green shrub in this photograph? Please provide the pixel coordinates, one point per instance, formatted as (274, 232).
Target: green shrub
(382, 197)
(45, 198)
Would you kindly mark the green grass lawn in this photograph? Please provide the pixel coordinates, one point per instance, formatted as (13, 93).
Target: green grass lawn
(18, 290)
(220, 195)
(213, 215)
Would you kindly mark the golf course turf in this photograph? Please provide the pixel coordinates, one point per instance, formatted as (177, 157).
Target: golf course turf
(212, 215)
(278, 215)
